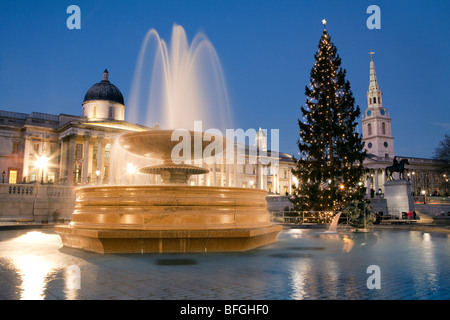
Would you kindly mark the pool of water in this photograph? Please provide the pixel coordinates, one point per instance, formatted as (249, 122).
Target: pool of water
(301, 264)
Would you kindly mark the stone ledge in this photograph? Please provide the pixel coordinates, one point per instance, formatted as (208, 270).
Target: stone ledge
(167, 241)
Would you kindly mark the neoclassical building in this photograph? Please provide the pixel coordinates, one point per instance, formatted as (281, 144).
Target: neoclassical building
(83, 150)
(379, 144)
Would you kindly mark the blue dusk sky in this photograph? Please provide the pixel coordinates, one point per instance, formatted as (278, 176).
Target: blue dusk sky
(266, 49)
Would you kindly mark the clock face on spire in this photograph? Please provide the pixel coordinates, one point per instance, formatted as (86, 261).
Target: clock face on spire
(369, 113)
(382, 112)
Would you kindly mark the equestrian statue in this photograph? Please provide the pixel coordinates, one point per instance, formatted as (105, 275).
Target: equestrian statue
(397, 167)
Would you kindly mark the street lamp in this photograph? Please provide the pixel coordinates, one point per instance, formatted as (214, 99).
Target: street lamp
(97, 173)
(424, 196)
(41, 163)
(131, 170)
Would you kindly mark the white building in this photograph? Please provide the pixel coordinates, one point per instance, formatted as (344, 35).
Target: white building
(379, 144)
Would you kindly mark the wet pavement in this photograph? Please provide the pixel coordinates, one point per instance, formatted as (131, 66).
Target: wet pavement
(301, 264)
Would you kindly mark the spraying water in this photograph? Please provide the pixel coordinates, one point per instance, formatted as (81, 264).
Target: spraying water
(177, 85)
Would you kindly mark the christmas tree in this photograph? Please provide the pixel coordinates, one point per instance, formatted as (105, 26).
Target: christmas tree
(329, 167)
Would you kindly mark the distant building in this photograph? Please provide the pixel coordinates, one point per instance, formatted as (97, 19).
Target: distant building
(379, 144)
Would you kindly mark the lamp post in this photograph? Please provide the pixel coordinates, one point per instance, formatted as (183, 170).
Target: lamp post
(97, 173)
(131, 170)
(424, 196)
(42, 164)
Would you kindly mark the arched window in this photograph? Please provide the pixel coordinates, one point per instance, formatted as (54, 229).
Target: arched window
(369, 129)
(374, 100)
(383, 128)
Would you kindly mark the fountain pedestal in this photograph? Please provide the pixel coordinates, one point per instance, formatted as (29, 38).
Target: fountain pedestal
(168, 219)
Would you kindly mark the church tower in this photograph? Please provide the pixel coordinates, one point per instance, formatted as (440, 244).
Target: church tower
(376, 122)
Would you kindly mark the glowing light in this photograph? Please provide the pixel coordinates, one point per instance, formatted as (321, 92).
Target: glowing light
(42, 162)
(131, 169)
(324, 22)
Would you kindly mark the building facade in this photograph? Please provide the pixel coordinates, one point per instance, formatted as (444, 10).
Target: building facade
(424, 174)
(83, 150)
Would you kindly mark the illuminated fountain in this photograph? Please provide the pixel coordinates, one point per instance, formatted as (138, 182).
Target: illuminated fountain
(172, 216)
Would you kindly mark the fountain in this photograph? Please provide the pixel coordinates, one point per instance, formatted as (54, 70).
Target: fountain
(173, 216)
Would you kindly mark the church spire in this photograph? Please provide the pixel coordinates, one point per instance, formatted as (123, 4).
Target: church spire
(374, 94)
(373, 85)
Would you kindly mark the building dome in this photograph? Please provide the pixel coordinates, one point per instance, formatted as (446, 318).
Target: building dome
(104, 90)
(104, 101)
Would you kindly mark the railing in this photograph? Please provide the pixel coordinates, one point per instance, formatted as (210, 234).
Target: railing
(303, 217)
(59, 191)
(432, 199)
(10, 190)
(13, 189)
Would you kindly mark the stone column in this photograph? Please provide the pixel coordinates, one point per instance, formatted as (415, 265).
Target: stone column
(376, 179)
(87, 138)
(266, 177)
(100, 154)
(235, 182)
(112, 162)
(214, 172)
(71, 159)
(62, 160)
(26, 159)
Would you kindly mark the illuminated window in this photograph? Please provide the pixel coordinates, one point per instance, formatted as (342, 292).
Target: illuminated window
(51, 176)
(13, 176)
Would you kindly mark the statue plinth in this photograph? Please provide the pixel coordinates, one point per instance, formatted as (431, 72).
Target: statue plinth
(398, 197)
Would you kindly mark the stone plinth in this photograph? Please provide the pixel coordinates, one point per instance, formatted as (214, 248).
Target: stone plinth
(168, 218)
(398, 197)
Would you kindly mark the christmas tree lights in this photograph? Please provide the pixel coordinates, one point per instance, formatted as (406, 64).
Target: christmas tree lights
(331, 152)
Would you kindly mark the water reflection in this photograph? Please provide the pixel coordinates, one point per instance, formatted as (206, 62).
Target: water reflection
(28, 259)
(33, 271)
(302, 264)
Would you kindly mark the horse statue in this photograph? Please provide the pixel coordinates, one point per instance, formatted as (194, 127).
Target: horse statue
(397, 167)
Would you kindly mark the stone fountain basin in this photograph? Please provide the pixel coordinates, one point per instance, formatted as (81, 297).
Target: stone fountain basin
(168, 218)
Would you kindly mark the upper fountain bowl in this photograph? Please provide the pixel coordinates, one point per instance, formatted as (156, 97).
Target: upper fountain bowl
(159, 144)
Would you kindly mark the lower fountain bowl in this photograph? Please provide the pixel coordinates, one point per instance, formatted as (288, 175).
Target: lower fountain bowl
(168, 218)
